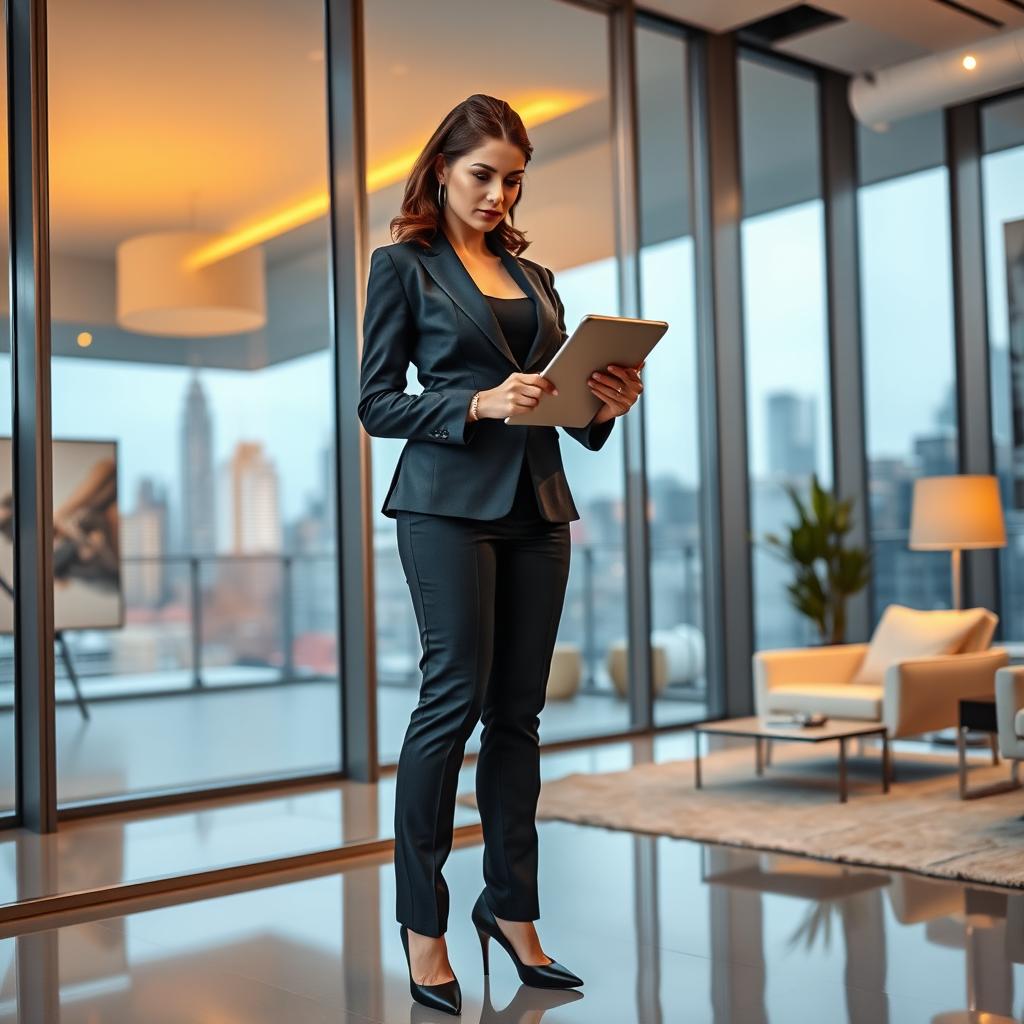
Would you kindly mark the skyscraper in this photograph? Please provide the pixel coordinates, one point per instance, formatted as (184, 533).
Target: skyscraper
(198, 519)
(251, 508)
(792, 434)
(144, 536)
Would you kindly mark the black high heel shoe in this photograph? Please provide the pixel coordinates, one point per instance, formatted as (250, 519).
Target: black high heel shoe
(552, 975)
(447, 996)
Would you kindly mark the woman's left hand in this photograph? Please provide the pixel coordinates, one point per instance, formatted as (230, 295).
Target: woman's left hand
(619, 389)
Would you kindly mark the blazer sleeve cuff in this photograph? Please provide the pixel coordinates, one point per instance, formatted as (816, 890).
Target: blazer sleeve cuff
(452, 426)
(592, 436)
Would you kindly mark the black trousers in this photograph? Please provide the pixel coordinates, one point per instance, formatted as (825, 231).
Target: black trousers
(488, 597)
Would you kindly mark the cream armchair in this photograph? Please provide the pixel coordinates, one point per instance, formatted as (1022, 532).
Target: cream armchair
(912, 695)
(1010, 714)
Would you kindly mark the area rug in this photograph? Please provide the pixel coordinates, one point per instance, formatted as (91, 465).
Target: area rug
(921, 825)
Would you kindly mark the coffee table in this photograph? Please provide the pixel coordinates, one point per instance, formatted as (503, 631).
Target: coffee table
(839, 729)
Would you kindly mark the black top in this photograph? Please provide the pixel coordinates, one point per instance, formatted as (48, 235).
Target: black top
(518, 322)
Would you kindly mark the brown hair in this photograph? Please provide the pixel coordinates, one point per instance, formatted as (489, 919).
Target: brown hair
(467, 126)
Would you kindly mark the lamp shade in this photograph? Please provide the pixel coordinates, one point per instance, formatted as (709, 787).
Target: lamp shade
(953, 512)
(157, 292)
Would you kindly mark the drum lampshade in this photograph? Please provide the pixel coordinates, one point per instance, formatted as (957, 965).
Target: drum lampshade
(158, 293)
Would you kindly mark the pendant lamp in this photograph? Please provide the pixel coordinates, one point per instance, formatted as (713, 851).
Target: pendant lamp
(158, 292)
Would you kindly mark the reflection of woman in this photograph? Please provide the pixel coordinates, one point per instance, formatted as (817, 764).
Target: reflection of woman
(483, 511)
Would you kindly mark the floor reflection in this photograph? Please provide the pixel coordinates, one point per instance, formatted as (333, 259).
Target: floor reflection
(661, 930)
(95, 853)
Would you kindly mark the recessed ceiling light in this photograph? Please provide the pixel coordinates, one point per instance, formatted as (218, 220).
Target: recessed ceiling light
(970, 62)
(84, 339)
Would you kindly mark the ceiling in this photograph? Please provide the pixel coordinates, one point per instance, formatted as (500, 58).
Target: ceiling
(214, 115)
(874, 33)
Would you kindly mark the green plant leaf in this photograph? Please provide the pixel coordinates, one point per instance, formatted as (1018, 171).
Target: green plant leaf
(825, 572)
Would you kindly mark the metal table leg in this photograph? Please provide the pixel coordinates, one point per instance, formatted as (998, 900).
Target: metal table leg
(967, 793)
(961, 761)
(759, 755)
(842, 769)
(885, 762)
(696, 760)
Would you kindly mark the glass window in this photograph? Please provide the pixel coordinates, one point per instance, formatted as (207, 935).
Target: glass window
(559, 83)
(785, 322)
(192, 397)
(907, 330)
(1002, 174)
(671, 400)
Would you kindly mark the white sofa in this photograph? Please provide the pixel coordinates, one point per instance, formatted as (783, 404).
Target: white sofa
(911, 693)
(1010, 715)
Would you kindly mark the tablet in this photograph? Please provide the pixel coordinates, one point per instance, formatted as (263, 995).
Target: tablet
(598, 342)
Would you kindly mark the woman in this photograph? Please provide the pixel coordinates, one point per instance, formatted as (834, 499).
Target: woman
(483, 511)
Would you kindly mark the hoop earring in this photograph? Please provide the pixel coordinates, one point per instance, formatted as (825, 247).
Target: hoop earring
(442, 195)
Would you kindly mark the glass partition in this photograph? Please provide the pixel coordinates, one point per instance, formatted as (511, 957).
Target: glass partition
(907, 330)
(788, 398)
(192, 375)
(559, 83)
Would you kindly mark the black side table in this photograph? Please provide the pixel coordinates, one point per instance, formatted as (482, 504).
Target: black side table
(979, 715)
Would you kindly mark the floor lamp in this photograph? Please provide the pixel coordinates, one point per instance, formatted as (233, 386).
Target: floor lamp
(956, 513)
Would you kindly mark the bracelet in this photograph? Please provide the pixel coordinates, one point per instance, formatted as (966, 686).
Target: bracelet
(473, 414)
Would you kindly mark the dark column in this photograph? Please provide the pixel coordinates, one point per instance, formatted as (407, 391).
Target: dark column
(30, 368)
(354, 483)
(963, 157)
(728, 617)
(627, 248)
(839, 173)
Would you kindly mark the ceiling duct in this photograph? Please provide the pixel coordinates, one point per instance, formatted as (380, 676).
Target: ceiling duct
(941, 80)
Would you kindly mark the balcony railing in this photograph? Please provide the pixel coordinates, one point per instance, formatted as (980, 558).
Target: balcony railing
(195, 622)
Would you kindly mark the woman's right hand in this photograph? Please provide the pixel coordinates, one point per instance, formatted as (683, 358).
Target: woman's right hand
(518, 393)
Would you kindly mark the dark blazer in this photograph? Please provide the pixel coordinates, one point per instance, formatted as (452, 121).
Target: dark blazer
(423, 307)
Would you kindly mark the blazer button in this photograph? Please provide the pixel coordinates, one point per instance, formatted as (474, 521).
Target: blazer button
(444, 432)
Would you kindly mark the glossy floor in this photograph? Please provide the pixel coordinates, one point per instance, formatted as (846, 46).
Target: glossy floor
(120, 849)
(660, 929)
(94, 853)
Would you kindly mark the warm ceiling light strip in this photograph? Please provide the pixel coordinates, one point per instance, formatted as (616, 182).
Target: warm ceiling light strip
(245, 238)
(533, 113)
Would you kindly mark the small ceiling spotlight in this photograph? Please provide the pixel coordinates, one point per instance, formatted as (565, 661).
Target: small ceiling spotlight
(84, 339)
(970, 62)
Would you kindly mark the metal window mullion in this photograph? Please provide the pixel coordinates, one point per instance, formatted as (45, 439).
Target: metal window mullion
(35, 741)
(353, 490)
(627, 249)
(970, 317)
(846, 369)
(728, 576)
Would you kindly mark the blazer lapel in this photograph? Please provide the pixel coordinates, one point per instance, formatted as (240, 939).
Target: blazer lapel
(444, 266)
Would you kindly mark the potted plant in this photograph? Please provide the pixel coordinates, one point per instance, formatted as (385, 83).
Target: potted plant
(825, 572)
